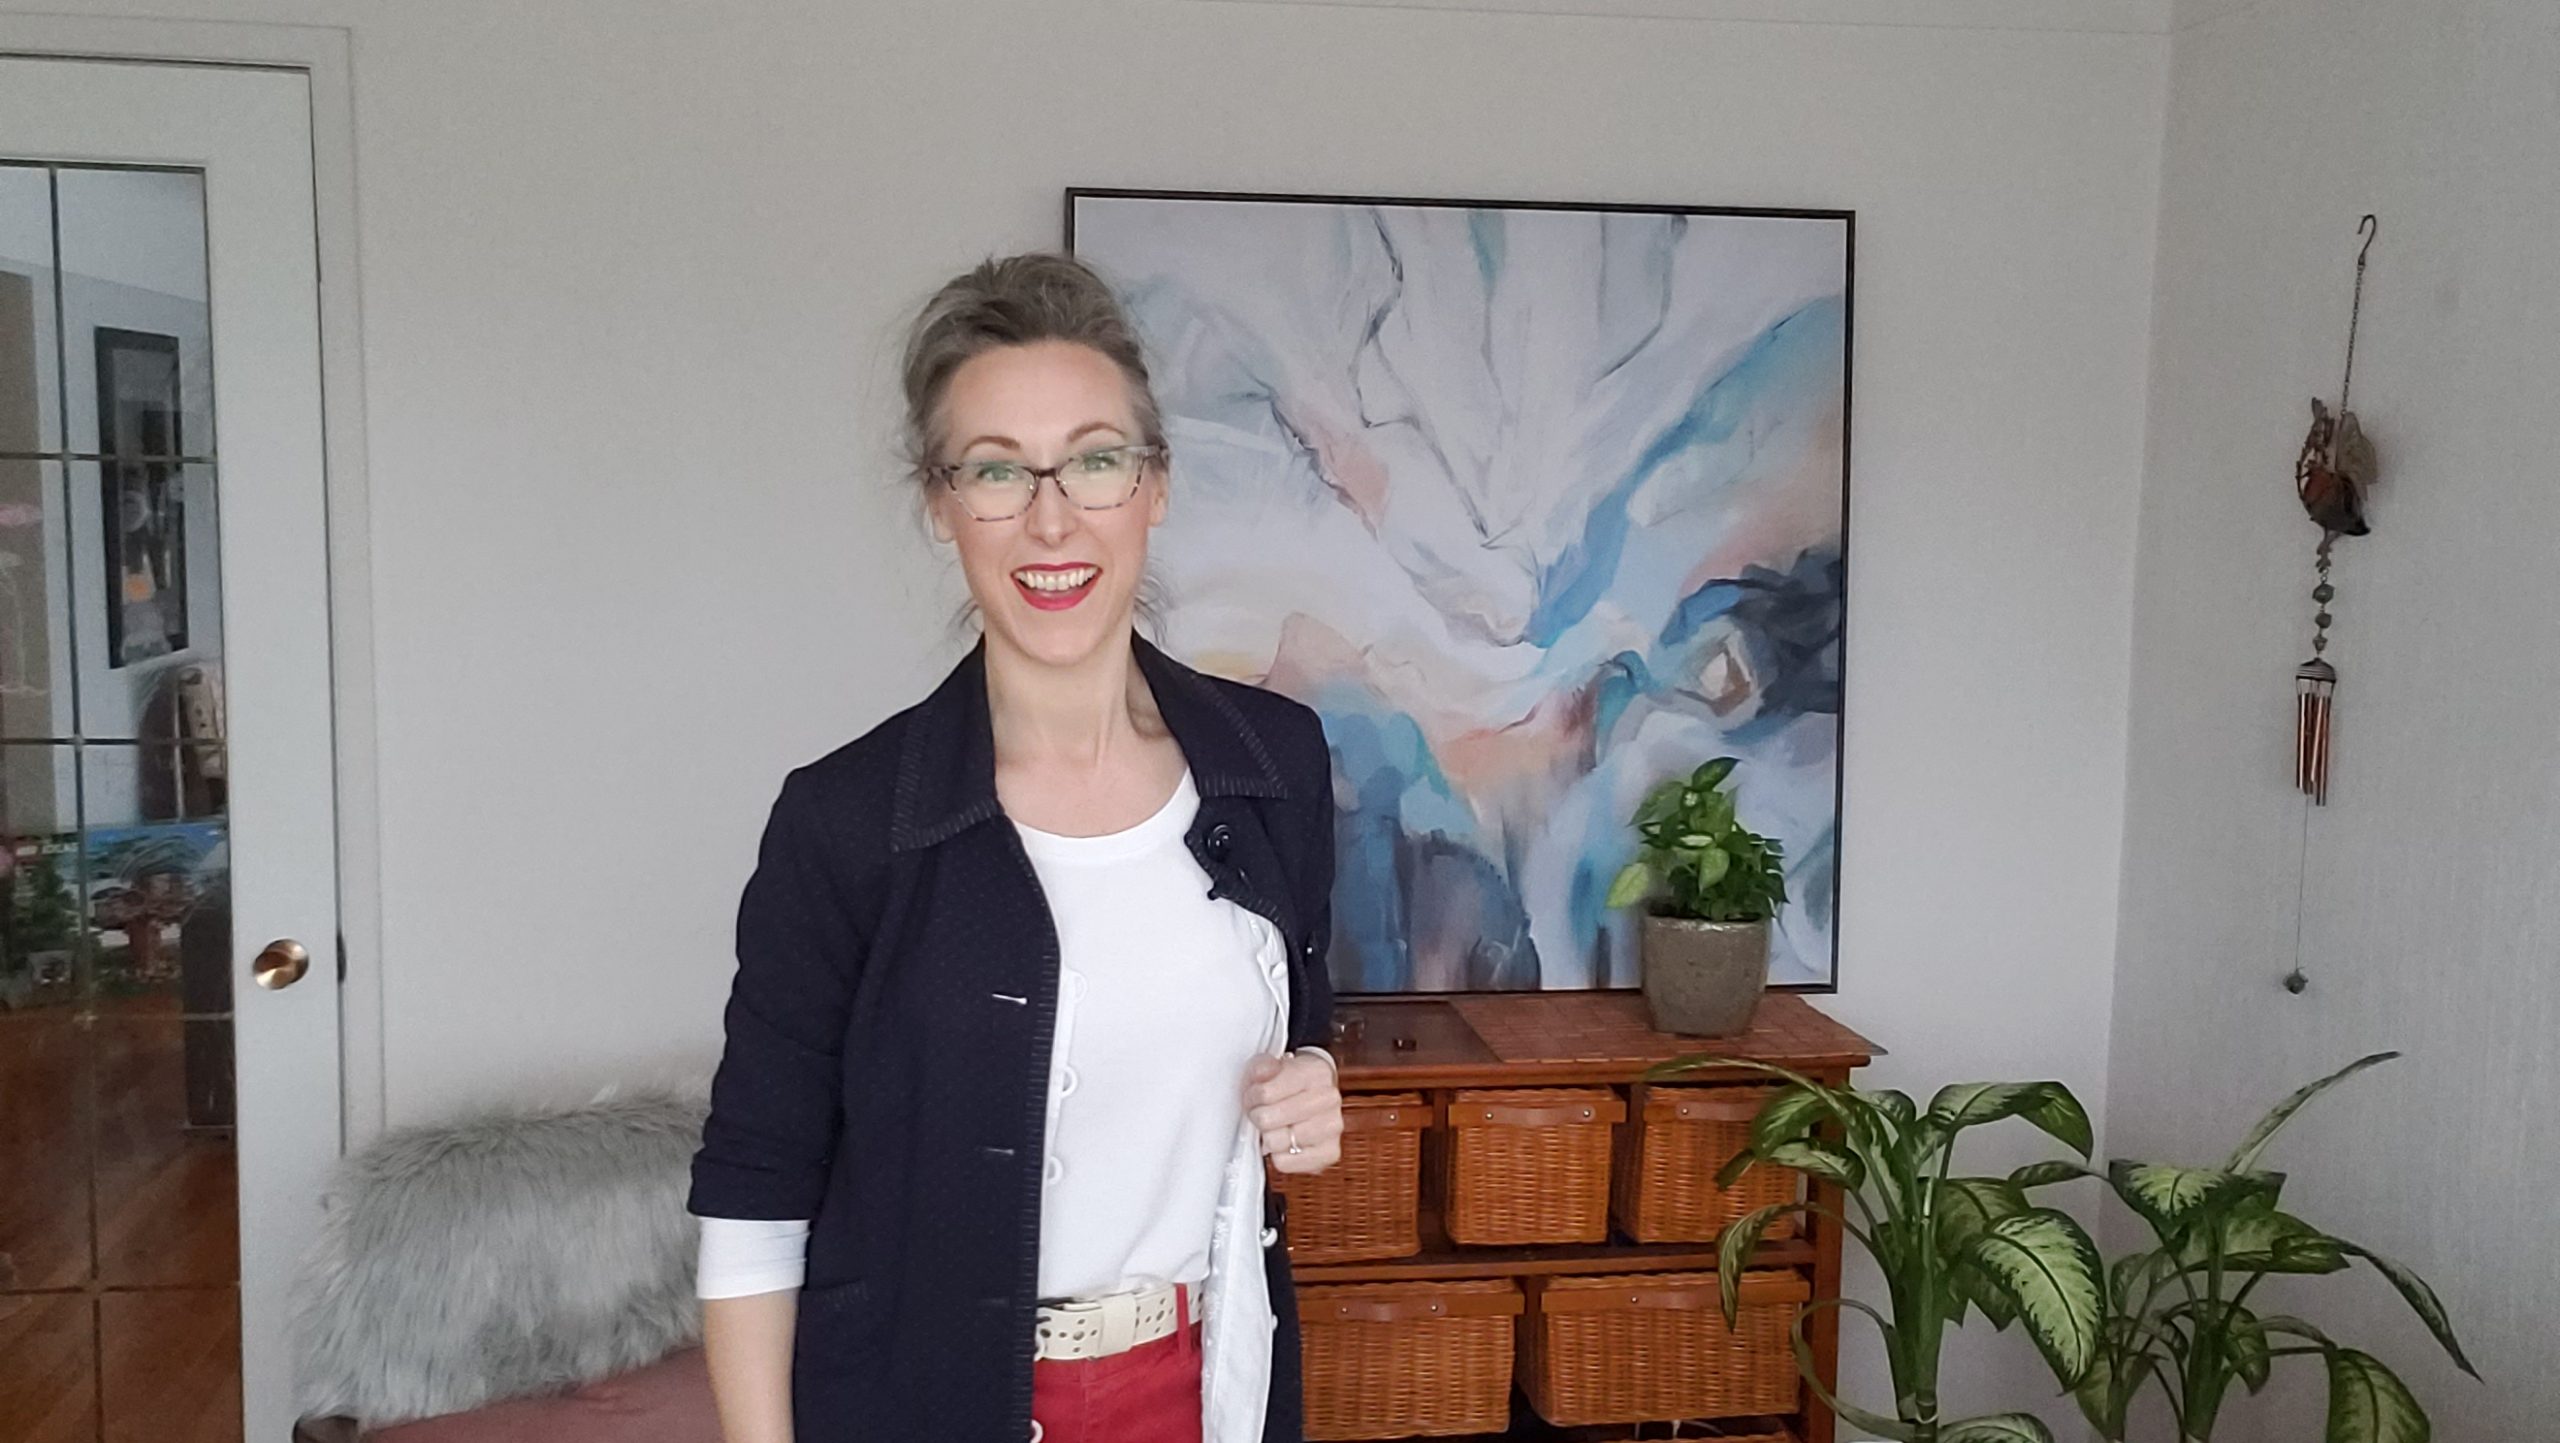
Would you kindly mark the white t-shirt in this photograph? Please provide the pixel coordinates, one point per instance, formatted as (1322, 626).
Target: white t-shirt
(1165, 996)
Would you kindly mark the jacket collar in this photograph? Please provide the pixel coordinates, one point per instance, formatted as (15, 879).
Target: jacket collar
(947, 762)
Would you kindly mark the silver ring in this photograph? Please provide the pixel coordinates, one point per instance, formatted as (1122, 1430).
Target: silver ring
(1294, 1149)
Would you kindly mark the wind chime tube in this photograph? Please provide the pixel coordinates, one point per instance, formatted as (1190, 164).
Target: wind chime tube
(2316, 684)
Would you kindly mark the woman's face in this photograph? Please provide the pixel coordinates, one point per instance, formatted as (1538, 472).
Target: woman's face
(1057, 583)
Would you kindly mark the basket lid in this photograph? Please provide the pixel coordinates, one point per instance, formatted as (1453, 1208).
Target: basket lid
(1679, 1292)
(1535, 1107)
(1384, 1112)
(1703, 1104)
(1409, 1302)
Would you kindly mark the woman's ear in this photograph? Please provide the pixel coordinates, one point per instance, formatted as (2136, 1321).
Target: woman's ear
(1160, 496)
(939, 520)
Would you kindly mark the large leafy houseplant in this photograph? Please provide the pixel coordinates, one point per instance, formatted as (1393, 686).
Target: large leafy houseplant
(1944, 1243)
(2179, 1314)
(1695, 860)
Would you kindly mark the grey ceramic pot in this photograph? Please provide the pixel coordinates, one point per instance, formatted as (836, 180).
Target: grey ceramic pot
(1704, 978)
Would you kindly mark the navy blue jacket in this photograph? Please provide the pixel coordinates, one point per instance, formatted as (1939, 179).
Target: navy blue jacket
(889, 1026)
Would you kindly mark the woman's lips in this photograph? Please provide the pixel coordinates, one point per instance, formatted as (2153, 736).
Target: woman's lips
(1055, 588)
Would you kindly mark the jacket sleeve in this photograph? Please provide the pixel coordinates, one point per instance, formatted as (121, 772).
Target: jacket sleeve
(1317, 1026)
(776, 1100)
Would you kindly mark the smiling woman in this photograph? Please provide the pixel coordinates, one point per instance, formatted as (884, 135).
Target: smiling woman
(1028, 977)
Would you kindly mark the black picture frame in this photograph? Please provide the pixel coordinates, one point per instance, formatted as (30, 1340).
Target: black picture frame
(142, 516)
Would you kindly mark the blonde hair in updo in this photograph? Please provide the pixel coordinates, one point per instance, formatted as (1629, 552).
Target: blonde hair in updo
(1014, 301)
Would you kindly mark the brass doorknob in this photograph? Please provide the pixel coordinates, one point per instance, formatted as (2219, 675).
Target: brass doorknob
(281, 964)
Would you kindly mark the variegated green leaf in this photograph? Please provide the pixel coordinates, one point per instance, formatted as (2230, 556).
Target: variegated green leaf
(2369, 1404)
(1817, 1157)
(2046, 1174)
(1660, 804)
(1628, 888)
(2050, 1270)
(2264, 1240)
(2245, 1156)
(1735, 1246)
(2293, 1327)
(2049, 1105)
(2000, 1428)
(1968, 1206)
(1896, 1105)
(2105, 1392)
(2422, 1299)
(2132, 1273)
(2244, 1343)
(1791, 1113)
(1712, 863)
(1967, 1283)
(1672, 1068)
(2169, 1198)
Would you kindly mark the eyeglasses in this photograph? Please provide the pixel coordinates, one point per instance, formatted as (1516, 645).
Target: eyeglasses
(999, 489)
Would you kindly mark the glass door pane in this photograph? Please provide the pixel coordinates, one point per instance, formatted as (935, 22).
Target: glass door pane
(119, 1227)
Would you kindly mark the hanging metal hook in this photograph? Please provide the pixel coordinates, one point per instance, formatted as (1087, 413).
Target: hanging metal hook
(2370, 228)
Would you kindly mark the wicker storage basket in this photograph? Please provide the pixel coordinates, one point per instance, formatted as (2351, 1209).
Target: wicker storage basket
(1676, 1139)
(1364, 1205)
(1530, 1165)
(1398, 1360)
(1654, 1346)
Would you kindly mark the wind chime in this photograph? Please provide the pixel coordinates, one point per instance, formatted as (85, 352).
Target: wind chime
(2337, 467)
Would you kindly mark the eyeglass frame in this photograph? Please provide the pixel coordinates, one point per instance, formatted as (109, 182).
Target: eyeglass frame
(1148, 453)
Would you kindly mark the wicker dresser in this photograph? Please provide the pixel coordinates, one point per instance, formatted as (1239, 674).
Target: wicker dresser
(1418, 1072)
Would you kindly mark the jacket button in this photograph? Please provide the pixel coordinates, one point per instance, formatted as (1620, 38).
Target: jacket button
(1221, 838)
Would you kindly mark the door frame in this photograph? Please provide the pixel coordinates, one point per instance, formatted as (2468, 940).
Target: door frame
(323, 54)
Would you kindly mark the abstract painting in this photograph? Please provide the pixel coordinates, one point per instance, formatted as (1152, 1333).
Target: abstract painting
(1535, 505)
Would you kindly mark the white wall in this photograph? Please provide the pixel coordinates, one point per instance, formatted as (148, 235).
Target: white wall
(629, 285)
(2432, 886)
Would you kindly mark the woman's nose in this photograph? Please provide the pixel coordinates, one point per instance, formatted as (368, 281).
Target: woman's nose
(1052, 516)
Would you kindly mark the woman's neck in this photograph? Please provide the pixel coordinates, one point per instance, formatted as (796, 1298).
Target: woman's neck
(1077, 717)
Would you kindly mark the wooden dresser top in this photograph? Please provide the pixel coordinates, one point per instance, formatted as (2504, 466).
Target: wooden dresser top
(1566, 1037)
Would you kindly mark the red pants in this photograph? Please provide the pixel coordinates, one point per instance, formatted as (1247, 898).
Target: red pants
(1149, 1394)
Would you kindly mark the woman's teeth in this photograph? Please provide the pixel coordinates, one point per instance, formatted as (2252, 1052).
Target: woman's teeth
(1067, 580)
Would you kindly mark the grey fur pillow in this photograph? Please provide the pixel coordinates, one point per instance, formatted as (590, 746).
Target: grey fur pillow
(502, 1256)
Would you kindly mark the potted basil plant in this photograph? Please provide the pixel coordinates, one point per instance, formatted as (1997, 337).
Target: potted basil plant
(1712, 885)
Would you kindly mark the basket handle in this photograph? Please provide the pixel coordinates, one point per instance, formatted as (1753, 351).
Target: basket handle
(1542, 1114)
(1710, 1105)
(1658, 1299)
(1402, 1117)
(1405, 1310)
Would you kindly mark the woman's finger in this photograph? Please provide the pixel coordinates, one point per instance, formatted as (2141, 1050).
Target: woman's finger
(1308, 1158)
(1298, 1110)
(1268, 1079)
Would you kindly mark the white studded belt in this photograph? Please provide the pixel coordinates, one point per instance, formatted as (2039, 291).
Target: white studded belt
(1106, 1327)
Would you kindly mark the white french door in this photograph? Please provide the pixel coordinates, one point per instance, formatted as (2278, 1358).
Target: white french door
(169, 1065)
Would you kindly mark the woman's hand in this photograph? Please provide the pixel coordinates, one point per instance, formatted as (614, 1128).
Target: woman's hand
(1293, 1102)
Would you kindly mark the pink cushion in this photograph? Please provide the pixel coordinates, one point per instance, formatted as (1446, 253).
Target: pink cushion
(667, 1402)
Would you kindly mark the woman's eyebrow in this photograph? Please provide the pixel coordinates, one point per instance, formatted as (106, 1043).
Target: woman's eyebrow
(1090, 427)
(1006, 442)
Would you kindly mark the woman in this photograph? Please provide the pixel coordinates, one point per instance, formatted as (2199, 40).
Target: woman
(1028, 976)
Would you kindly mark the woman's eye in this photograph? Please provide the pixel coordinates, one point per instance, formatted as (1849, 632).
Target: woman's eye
(1097, 462)
(995, 473)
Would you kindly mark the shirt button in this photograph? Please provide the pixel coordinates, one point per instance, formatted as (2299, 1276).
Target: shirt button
(1221, 838)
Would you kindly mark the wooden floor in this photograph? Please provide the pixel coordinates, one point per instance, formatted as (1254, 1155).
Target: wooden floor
(119, 1233)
